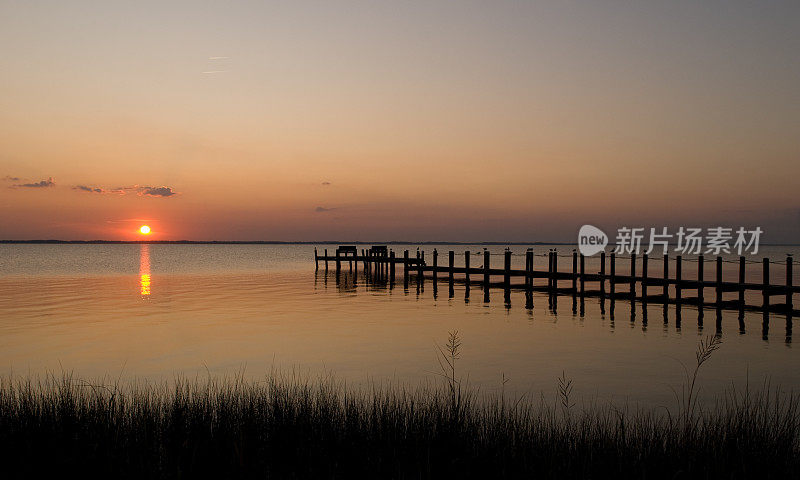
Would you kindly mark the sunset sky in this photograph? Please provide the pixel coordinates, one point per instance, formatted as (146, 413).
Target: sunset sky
(463, 121)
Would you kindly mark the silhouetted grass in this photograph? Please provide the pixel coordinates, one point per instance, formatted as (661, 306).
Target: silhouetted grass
(290, 427)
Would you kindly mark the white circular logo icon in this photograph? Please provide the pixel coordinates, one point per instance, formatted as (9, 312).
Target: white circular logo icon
(591, 240)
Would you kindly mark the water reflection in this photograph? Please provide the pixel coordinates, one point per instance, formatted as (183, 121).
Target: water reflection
(144, 269)
(351, 281)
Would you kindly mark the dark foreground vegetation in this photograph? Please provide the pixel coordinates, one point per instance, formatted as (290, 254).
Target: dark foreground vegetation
(288, 427)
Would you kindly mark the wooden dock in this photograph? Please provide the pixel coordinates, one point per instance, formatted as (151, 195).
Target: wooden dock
(606, 283)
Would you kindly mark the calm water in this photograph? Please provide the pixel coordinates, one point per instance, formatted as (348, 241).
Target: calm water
(160, 310)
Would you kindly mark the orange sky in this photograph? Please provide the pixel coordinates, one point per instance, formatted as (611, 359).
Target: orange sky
(442, 121)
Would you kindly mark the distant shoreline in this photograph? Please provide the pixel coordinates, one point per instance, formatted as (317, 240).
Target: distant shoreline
(270, 242)
(282, 242)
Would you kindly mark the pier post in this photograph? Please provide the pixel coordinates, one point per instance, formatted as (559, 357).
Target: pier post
(391, 265)
(316, 259)
(612, 282)
(583, 279)
(765, 281)
(529, 279)
(700, 278)
(574, 271)
(633, 277)
(486, 260)
(678, 279)
(719, 282)
(529, 269)
(550, 270)
(603, 274)
(338, 261)
(466, 269)
(555, 270)
(665, 289)
(451, 261)
(645, 259)
(421, 264)
(789, 305)
(405, 268)
(326, 259)
(435, 264)
(507, 270)
(741, 283)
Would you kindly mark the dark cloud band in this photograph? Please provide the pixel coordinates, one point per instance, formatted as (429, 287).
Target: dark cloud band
(42, 184)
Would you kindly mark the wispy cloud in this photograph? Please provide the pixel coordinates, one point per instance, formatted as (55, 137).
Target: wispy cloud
(324, 209)
(218, 58)
(42, 184)
(9, 178)
(88, 189)
(326, 184)
(212, 72)
(128, 220)
(141, 190)
(157, 191)
(84, 188)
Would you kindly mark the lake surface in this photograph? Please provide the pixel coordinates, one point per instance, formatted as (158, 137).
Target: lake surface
(158, 311)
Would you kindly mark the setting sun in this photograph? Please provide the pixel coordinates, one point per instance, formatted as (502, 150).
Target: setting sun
(144, 230)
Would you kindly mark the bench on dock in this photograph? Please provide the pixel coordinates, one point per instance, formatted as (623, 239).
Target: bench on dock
(347, 251)
(381, 251)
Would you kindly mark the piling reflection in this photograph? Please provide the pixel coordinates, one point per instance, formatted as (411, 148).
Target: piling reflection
(144, 269)
(377, 279)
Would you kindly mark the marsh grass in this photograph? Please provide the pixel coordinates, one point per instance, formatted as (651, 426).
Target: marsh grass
(290, 426)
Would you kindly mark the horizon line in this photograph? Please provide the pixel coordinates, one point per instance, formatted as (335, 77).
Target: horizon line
(311, 242)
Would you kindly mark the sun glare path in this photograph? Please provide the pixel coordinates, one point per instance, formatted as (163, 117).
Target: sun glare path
(144, 270)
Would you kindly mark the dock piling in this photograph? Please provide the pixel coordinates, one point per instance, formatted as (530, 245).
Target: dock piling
(435, 264)
(451, 261)
(486, 277)
(529, 269)
(789, 303)
(765, 281)
(466, 269)
(507, 270)
(741, 283)
(645, 259)
(405, 268)
(719, 282)
(700, 281)
(574, 271)
(555, 270)
(603, 274)
(612, 281)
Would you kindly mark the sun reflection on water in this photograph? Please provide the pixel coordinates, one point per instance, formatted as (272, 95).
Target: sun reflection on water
(144, 269)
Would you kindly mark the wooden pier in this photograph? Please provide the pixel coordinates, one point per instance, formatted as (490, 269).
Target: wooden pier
(642, 287)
